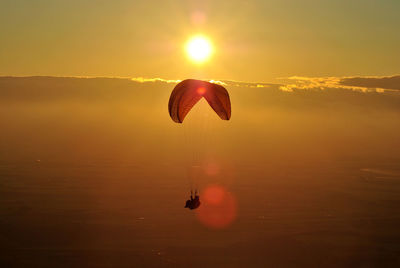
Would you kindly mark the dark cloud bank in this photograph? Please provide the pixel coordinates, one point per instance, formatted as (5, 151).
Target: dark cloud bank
(392, 82)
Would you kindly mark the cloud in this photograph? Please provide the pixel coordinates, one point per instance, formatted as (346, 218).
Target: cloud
(254, 96)
(391, 82)
(220, 82)
(144, 80)
(290, 84)
(364, 84)
(248, 84)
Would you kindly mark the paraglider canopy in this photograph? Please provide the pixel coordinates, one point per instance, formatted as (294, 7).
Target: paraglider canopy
(188, 92)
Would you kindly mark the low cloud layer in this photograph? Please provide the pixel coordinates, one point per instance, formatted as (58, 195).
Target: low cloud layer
(221, 82)
(392, 82)
(144, 80)
(290, 84)
(365, 84)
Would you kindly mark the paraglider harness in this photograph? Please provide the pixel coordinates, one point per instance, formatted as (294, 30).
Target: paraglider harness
(194, 201)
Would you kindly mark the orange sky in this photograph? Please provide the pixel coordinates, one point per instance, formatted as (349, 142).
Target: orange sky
(254, 40)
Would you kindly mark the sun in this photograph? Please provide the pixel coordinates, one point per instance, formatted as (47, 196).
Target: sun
(199, 48)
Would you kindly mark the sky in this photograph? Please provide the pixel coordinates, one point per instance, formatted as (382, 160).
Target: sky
(93, 171)
(254, 41)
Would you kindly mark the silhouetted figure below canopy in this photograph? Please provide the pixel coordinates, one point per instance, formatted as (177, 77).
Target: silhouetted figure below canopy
(193, 202)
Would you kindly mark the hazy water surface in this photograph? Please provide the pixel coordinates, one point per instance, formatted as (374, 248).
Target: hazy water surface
(93, 174)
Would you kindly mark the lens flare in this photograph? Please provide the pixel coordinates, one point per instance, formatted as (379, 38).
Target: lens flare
(218, 209)
(201, 90)
(211, 169)
(198, 17)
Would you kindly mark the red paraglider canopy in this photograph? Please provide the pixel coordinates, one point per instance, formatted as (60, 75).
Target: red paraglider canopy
(188, 92)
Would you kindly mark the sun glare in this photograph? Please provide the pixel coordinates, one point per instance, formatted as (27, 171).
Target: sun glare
(199, 49)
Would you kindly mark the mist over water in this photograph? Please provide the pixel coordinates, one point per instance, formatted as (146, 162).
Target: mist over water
(93, 172)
